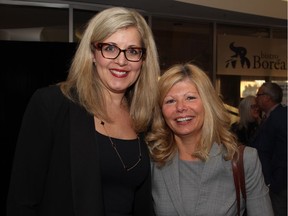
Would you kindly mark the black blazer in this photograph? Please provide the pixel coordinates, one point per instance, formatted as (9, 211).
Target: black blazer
(56, 170)
(271, 143)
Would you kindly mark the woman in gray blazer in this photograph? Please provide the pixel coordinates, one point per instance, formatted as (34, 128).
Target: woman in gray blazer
(191, 148)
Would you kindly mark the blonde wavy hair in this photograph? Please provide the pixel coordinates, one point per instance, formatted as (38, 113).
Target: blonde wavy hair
(216, 124)
(83, 84)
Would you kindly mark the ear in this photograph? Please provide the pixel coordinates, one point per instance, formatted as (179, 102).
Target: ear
(94, 61)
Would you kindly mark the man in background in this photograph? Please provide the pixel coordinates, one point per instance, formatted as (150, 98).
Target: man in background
(271, 143)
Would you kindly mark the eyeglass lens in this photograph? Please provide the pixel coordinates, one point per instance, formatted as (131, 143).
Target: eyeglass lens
(110, 51)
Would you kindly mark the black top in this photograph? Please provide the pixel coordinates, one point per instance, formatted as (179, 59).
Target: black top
(118, 184)
(245, 135)
(56, 168)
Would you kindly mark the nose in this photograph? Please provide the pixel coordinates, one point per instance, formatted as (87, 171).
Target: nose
(181, 106)
(121, 59)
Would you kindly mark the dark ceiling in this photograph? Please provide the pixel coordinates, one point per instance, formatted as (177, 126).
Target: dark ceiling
(190, 11)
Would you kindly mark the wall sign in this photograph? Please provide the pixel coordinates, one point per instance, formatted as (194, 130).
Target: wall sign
(250, 56)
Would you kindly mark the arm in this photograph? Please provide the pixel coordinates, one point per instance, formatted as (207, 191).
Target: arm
(258, 200)
(31, 159)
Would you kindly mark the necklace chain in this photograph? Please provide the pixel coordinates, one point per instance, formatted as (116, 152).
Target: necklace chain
(118, 154)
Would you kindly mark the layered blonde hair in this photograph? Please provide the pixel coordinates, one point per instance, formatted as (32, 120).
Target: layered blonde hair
(83, 84)
(216, 122)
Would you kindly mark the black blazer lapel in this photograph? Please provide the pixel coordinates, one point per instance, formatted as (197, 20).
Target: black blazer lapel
(85, 164)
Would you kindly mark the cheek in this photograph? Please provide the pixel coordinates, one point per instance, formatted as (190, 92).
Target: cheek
(199, 109)
(201, 117)
(137, 66)
(99, 61)
(167, 112)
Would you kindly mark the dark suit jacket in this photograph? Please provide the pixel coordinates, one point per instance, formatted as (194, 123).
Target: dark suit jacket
(56, 170)
(271, 143)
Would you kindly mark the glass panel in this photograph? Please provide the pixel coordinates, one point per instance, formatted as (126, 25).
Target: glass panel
(280, 33)
(29, 23)
(243, 31)
(182, 41)
(81, 18)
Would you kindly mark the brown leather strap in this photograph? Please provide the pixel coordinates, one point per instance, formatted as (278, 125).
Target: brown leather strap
(239, 176)
(241, 171)
(236, 182)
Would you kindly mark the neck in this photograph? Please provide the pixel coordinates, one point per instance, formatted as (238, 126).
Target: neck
(116, 99)
(186, 147)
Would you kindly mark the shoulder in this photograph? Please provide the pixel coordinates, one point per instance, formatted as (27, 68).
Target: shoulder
(48, 100)
(251, 159)
(280, 110)
(49, 95)
(169, 167)
(283, 109)
(48, 92)
(250, 153)
(279, 114)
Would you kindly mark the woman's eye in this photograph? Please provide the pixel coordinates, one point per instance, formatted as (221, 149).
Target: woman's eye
(110, 48)
(191, 97)
(169, 101)
(133, 51)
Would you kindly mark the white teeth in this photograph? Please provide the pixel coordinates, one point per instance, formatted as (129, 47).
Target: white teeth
(118, 72)
(183, 119)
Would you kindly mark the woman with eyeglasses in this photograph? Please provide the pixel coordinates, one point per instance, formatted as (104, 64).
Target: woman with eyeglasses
(81, 148)
(249, 120)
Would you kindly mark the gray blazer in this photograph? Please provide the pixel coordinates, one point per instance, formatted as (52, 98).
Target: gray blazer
(216, 191)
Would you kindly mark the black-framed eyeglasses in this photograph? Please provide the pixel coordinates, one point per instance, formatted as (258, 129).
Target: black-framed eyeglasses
(260, 94)
(110, 51)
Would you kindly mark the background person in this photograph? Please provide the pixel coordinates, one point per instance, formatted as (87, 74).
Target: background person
(192, 147)
(80, 149)
(249, 120)
(271, 143)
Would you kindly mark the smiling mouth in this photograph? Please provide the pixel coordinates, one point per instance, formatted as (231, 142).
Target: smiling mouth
(118, 73)
(183, 119)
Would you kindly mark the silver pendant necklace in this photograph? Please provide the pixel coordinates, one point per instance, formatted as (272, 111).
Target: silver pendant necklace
(118, 154)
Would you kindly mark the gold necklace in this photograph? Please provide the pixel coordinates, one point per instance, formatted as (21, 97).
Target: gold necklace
(118, 154)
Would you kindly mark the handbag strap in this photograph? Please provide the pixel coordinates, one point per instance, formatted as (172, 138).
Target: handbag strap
(239, 176)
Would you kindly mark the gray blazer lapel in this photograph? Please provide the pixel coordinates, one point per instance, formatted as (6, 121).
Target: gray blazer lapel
(171, 178)
(212, 163)
(210, 168)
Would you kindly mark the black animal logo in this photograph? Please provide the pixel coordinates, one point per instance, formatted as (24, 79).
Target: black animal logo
(239, 53)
